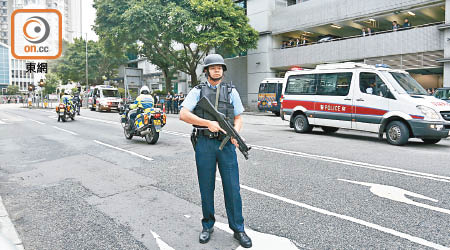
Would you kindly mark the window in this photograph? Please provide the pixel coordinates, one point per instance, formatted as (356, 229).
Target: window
(370, 83)
(301, 85)
(334, 84)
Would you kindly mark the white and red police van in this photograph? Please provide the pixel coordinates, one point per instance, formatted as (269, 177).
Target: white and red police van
(363, 97)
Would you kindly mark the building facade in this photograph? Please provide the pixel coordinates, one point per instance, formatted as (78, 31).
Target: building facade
(4, 67)
(307, 33)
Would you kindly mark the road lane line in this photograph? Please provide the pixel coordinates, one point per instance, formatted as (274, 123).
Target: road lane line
(347, 218)
(161, 244)
(98, 120)
(124, 150)
(67, 131)
(356, 164)
(36, 121)
(341, 161)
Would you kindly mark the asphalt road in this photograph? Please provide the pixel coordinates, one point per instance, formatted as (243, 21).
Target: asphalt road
(82, 185)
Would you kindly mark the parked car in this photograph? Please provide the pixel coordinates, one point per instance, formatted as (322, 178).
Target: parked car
(363, 97)
(327, 38)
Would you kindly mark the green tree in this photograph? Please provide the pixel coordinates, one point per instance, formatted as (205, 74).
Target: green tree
(51, 83)
(175, 33)
(72, 66)
(12, 90)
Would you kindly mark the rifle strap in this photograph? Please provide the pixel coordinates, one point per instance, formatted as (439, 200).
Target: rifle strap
(217, 95)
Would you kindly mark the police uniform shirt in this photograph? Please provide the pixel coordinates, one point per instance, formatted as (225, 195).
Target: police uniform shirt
(193, 97)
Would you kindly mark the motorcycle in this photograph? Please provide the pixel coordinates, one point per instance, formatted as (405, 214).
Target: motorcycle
(65, 112)
(148, 123)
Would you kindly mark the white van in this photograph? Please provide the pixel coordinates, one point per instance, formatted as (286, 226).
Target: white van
(104, 97)
(363, 97)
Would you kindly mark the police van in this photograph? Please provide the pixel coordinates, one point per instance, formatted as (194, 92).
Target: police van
(104, 97)
(363, 97)
(269, 95)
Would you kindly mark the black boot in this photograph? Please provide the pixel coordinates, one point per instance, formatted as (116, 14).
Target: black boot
(243, 239)
(205, 235)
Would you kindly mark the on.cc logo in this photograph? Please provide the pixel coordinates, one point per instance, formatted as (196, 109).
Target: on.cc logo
(36, 29)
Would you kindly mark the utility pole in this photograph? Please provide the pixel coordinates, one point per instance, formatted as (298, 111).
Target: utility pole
(87, 81)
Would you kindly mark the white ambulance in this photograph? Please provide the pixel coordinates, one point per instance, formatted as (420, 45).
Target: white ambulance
(363, 97)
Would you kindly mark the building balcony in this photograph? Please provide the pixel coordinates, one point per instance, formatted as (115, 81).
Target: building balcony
(383, 44)
(308, 14)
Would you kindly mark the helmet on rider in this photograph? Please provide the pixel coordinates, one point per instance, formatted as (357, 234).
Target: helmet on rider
(145, 90)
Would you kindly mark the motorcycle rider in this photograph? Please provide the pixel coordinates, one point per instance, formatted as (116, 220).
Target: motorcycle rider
(142, 102)
(77, 101)
(67, 100)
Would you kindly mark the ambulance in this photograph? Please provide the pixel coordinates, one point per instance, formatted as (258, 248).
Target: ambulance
(363, 97)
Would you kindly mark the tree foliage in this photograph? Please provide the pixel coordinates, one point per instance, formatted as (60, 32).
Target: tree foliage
(12, 90)
(175, 33)
(72, 65)
(51, 83)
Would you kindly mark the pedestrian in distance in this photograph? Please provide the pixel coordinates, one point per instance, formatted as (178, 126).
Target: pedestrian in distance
(206, 139)
(395, 26)
(169, 106)
(363, 32)
(176, 99)
(369, 31)
(406, 24)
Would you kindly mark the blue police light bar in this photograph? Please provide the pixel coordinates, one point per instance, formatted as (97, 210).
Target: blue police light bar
(382, 65)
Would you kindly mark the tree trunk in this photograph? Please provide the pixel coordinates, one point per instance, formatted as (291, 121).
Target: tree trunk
(194, 78)
(167, 79)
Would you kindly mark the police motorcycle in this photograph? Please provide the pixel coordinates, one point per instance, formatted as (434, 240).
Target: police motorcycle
(65, 110)
(148, 123)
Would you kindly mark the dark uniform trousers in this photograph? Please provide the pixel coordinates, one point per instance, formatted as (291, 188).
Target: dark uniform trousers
(207, 155)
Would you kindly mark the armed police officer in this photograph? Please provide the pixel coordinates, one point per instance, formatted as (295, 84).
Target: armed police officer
(206, 137)
(142, 102)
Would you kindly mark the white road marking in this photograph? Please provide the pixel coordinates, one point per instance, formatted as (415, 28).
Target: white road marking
(67, 131)
(124, 150)
(398, 194)
(7, 230)
(162, 245)
(261, 241)
(340, 161)
(98, 120)
(356, 164)
(1, 122)
(36, 121)
(187, 216)
(348, 218)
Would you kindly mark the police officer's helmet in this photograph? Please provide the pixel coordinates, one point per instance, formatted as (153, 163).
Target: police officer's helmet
(214, 59)
(145, 90)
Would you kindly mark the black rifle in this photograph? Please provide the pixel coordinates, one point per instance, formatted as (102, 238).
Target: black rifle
(225, 124)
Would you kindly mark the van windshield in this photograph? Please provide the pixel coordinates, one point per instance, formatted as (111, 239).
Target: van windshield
(443, 94)
(409, 84)
(268, 88)
(110, 93)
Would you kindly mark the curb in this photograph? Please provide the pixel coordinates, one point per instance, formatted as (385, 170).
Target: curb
(9, 239)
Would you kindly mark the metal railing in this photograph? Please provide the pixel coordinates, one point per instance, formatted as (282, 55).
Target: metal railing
(366, 35)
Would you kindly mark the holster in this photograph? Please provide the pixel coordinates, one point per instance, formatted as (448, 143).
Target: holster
(194, 137)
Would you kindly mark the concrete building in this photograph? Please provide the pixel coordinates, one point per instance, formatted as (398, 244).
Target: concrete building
(332, 32)
(4, 67)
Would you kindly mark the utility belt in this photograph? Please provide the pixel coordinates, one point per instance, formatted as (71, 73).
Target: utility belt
(197, 132)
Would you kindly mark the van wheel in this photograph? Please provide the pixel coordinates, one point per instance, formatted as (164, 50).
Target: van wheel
(301, 124)
(431, 141)
(329, 130)
(397, 133)
(277, 113)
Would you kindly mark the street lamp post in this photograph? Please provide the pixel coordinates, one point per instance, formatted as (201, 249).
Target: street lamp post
(87, 81)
